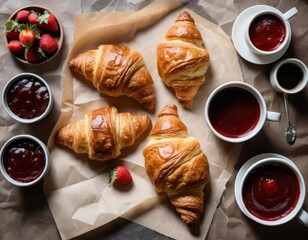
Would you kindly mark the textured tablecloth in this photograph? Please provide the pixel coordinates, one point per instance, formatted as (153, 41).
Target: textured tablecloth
(24, 213)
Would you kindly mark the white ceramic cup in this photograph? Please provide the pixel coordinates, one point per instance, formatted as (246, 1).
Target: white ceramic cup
(7, 146)
(259, 161)
(284, 17)
(15, 80)
(299, 71)
(263, 116)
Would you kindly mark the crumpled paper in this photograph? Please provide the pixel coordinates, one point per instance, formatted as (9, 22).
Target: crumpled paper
(76, 188)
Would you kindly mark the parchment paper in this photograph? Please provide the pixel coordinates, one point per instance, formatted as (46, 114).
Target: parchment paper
(76, 188)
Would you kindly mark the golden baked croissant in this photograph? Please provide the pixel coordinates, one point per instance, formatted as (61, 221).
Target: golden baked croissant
(103, 132)
(117, 70)
(176, 165)
(182, 61)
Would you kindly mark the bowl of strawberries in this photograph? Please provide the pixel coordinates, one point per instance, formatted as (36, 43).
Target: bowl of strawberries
(33, 34)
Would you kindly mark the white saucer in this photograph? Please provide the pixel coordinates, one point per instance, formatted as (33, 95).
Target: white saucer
(246, 166)
(238, 36)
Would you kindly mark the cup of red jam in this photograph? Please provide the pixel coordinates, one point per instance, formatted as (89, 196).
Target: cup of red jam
(27, 98)
(269, 32)
(236, 111)
(24, 160)
(270, 190)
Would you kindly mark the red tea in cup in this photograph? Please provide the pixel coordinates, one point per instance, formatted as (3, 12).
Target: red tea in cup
(234, 112)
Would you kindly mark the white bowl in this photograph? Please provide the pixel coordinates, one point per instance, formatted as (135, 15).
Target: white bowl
(10, 143)
(13, 81)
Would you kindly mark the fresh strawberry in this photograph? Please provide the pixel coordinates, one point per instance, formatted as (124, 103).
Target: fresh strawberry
(11, 29)
(27, 38)
(32, 54)
(14, 34)
(47, 43)
(120, 175)
(22, 16)
(16, 47)
(28, 34)
(48, 20)
(33, 18)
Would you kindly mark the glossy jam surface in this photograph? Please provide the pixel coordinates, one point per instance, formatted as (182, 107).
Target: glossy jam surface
(267, 32)
(271, 192)
(28, 98)
(289, 76)
(24, 160)
(234, 112)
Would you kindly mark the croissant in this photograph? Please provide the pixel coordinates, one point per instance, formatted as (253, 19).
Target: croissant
(176, 165)
(117, 70)
(103, 132)
(182, 60)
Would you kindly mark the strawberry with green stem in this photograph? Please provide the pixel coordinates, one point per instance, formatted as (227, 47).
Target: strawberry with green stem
(48, 21)
(33, 54)
(33, 17)
(120, 176)
(28, 34)
(11, 29)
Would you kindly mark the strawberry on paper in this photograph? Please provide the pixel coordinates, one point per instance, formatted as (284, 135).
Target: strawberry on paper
(47, 43)
(120, 176)
(16, 47)
(22, 16)
(48, 20)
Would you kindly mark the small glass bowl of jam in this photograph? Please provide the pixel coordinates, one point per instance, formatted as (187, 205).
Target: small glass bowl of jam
(27, 98)
(24, 160)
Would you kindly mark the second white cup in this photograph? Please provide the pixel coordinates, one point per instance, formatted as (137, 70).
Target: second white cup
(236, 111)
(289, 76)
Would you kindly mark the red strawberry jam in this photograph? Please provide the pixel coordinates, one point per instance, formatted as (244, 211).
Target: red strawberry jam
(28, 98)
(24, 160)
(267, 32)
(271, 192)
